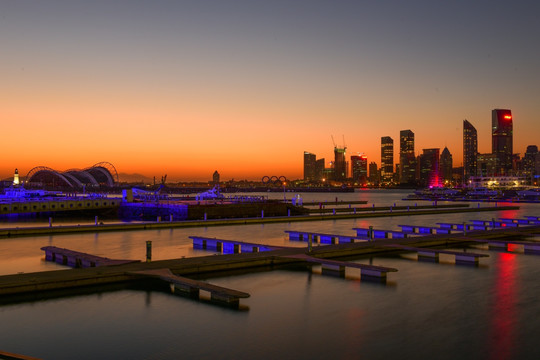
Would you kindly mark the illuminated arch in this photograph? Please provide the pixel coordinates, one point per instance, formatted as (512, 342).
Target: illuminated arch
(101, 174)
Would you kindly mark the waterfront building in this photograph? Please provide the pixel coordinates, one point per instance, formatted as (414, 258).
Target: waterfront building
(340, 163)
(407, 159)
(470, 150)
(387, 159)
(445, 166)
(502, 140)
(429, 167)
(102, 174)
(359, 169)
(497, 182)
(310, 166)
(374, 175)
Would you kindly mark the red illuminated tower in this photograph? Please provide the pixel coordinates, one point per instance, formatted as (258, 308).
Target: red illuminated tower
(502, 140)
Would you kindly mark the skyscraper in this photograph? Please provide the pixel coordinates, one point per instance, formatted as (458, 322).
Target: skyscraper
(445, 166)
(470, 150)
(502, 140)
(340, 163)
(407, 160)
(387, 159)
(429, 167)
(310, 169)
(373, 173)
(529, 162)
(359, 169)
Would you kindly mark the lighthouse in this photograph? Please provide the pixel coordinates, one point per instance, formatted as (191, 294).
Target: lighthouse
(16, 177)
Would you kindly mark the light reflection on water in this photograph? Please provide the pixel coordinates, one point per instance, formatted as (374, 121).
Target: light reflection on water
(426, 310)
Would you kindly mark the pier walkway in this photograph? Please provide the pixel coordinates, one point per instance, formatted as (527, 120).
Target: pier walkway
(192, 287)
(69, 280)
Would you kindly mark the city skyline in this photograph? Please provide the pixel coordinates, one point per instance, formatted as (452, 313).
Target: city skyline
(245, 87)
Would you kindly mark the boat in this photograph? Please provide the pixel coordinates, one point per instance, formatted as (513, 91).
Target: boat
(529, 193)
(482, 192)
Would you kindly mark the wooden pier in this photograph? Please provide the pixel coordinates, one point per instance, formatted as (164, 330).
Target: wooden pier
(192, 287)
(78, 259)
(71, 280)
(433, 254)
(367, 272)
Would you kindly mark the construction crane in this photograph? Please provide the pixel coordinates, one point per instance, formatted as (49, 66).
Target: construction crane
(333, 141)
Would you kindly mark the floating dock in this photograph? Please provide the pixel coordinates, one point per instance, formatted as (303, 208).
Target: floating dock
(37, 283)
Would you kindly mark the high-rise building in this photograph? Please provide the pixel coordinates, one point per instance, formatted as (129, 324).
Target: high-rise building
(429, 168)
(319, 170)
(529, 162)
(502, 140)
(310, 168)
(470, 150)
(340, 163)
(445, 166)
(374, 176)
(215, 177)
(486, 165)
(359, 169)
(407, 159)
(387, 159)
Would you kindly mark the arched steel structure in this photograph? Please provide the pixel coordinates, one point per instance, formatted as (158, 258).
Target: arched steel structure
(100, 174)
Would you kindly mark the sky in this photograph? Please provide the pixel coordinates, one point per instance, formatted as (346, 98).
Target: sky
(244, 87)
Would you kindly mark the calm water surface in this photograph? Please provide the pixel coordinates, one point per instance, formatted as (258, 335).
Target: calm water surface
(425, 310)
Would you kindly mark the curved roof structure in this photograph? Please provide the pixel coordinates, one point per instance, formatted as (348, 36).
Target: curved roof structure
(100, 174)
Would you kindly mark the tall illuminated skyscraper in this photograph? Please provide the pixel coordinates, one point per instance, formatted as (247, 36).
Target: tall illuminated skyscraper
(429, 168)
(470, 150)
(340, 163)
(359, 169)
(310, 169)
(387, 159)
(407, 160)
(445, 166)
(502, 140)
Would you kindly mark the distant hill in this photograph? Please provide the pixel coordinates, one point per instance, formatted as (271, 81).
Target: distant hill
(134, 178)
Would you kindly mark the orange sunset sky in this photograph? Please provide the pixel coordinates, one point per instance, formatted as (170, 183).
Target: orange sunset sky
(245, 87)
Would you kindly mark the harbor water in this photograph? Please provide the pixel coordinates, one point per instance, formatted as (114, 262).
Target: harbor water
(424, 311)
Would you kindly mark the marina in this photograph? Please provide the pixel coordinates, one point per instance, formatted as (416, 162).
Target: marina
(286, 281)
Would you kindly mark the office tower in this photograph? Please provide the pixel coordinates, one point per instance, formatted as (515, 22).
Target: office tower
(319, 170)
(359, 169)
(502, 140)
(486, 165)
(429, 167)
(310, 168)
(407, 159)
(445, 166)
(373, 173)
(529, 162)
(387, 159)
(470, 150)
(215, 177)
(340, 164)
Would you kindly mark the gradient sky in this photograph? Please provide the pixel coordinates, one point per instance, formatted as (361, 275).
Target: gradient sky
(245, 86)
